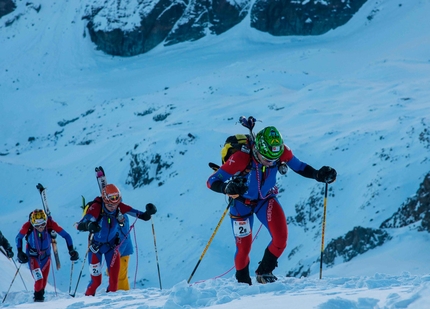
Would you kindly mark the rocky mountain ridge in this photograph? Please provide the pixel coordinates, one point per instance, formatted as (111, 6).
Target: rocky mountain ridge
(128, 28)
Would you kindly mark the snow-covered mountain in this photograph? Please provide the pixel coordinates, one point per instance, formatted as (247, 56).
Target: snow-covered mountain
(355, 98)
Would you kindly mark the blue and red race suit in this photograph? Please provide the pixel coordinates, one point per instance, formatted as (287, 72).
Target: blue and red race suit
(38, 249)
(260, 199)
(105, 242)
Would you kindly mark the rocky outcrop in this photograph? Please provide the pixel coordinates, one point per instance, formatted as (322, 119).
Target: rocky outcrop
(206, 16)
(355, 242)
(6, 7)
(286, 17)
(415, 210)
(128, 28)
(116, 31)
(120, 31)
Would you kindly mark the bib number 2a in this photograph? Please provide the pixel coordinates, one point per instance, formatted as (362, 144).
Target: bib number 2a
(241, 228)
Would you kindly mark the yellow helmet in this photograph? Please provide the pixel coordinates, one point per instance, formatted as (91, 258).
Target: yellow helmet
(38, 218)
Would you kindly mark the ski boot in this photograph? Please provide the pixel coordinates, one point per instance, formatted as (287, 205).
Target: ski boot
(267, 265)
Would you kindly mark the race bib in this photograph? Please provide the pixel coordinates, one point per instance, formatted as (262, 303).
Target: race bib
(37, 274)
(95, 269)
(241, 228)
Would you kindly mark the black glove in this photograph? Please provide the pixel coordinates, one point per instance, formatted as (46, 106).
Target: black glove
(82, 226)
(145, 216)
(326, 174)
(74, 255)
(236, 186)
(9, 252)
(90, 226)
(151, 209)
(22, 257)
(93, 227)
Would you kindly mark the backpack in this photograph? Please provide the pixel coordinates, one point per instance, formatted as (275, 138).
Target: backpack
(102, 212)
(237, 142)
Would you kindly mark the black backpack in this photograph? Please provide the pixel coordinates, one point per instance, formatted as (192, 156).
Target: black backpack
(237, 142)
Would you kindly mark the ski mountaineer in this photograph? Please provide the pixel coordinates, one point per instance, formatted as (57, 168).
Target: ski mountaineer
(6, 246)
(38, 232)
(101, 219)
(252, 186)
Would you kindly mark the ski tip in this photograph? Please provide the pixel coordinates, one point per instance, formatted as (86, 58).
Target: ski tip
(213, 166)
(40, 187)
(99, 171)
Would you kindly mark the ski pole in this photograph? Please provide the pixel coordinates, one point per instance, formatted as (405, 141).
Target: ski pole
(71, 275)
(22, 279)
(156, 253)
(323, 228)
(5, 254)
(210, 240)
(14, 277)
(82, 268)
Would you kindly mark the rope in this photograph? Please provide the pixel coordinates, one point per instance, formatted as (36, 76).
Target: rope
(226, 272)
(258, 181)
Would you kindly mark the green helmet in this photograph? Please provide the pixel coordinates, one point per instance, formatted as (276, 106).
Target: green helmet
(269, 143)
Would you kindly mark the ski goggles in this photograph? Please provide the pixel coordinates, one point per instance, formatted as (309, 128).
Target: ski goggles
(270, 161)
(114, 198)
(39, 225)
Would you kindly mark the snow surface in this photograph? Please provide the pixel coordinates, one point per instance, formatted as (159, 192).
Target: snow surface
(356, 98)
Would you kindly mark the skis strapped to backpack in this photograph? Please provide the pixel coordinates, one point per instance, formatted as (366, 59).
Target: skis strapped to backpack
(101, 180)
(42, 192)
(101, 177)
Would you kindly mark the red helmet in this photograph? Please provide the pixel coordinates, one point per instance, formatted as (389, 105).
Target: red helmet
(111, 195)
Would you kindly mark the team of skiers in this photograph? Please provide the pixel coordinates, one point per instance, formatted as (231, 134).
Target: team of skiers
(248, 178)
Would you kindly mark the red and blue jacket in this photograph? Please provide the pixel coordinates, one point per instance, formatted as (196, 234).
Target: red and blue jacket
(39, 243)
(261, 180)
(107, 220)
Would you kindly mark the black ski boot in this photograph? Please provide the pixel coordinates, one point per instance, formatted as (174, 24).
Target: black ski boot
(39, 296)
(242, 275)
(267, 265)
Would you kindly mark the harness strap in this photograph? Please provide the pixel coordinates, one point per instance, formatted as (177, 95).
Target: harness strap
(247, 201)
(242, 217)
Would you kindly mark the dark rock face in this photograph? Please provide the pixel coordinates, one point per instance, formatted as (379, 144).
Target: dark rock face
(154, 26)
(415, 210)
(286, 17)
(355, 242)
(213, 16)
(6, 7)
(173, 21)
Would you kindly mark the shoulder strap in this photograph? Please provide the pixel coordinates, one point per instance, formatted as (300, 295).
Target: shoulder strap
(29, 231)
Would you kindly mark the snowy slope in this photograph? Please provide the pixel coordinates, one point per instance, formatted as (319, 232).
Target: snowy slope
(355, 99)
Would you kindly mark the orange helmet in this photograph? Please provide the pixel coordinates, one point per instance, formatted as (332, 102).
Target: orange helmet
(38, 218)
(111, 195)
